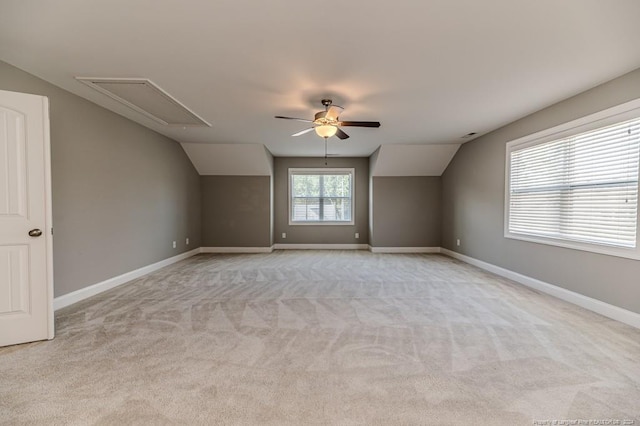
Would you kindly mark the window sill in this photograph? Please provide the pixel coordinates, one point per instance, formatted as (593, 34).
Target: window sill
(321, 223)
(627, 253)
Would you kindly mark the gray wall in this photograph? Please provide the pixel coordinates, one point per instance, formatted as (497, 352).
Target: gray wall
(321, 234)
(272, 221)
(236, 211)
(373, 159)
(121, 193)
(406, 211)
(473, 207)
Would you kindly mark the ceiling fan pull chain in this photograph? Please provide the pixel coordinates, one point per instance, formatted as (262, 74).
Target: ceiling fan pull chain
(325, 151)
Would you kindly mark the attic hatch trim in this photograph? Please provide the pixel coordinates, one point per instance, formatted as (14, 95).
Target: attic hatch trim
(161, 96)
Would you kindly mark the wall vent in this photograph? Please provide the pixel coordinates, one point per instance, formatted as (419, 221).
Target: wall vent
(143, 96)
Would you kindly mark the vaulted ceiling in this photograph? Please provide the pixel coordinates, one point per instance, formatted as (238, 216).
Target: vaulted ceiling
(430, 71)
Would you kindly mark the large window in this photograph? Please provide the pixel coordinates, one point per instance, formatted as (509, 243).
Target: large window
(321, 196)
(578, 190)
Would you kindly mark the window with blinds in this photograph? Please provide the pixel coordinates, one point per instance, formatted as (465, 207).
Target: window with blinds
(580, 188)
(321, 196)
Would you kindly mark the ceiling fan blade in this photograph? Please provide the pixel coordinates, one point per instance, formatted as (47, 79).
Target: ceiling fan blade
(333, 112)
(303, 132)
(292, 118)
(360, 123)
(341, 134)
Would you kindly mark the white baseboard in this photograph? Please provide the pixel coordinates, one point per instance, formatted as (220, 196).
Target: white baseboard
(86, 292)
(281, 246)
(404, 249)
(236, 249)
(598, 306)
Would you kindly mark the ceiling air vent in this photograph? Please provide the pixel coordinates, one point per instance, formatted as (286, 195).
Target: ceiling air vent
(145, 97)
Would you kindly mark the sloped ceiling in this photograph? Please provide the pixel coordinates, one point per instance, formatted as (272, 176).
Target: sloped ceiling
(430, 70)
(256, 160)
(412, 160)
(230, 159)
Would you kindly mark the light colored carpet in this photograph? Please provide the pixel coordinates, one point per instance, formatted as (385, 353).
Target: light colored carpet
(323, 337)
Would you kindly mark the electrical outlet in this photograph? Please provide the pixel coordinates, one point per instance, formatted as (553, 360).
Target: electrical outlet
(284, 235)
(174, 244)
(458, 242)
(187, 240)
(357, 235)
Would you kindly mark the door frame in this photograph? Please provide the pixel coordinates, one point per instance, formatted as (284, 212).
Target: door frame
(48, 232)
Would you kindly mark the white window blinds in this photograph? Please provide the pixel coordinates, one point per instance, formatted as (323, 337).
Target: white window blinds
(581, 188)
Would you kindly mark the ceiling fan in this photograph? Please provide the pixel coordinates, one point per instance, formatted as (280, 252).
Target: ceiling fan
(327, 123)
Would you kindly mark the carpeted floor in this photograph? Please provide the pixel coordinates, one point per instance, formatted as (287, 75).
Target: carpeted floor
(323, 337)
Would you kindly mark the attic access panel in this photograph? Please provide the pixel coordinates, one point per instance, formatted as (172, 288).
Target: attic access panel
(145, 97)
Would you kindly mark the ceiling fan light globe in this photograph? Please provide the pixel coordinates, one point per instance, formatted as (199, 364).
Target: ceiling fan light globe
(326, 131)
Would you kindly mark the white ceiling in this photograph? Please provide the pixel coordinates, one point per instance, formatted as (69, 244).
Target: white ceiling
(430, 71)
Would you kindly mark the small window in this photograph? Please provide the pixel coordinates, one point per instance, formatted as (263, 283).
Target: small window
(321, 196)
(578, 190)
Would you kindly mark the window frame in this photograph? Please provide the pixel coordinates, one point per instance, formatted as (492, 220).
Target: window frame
(322, 171)
(617, 114)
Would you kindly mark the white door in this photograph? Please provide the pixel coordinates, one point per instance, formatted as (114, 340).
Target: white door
(26, 274)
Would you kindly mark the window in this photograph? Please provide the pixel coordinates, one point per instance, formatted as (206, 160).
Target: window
(321, 196)
(577, 188)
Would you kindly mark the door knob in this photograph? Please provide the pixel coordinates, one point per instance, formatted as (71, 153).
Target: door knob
(35, 233)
